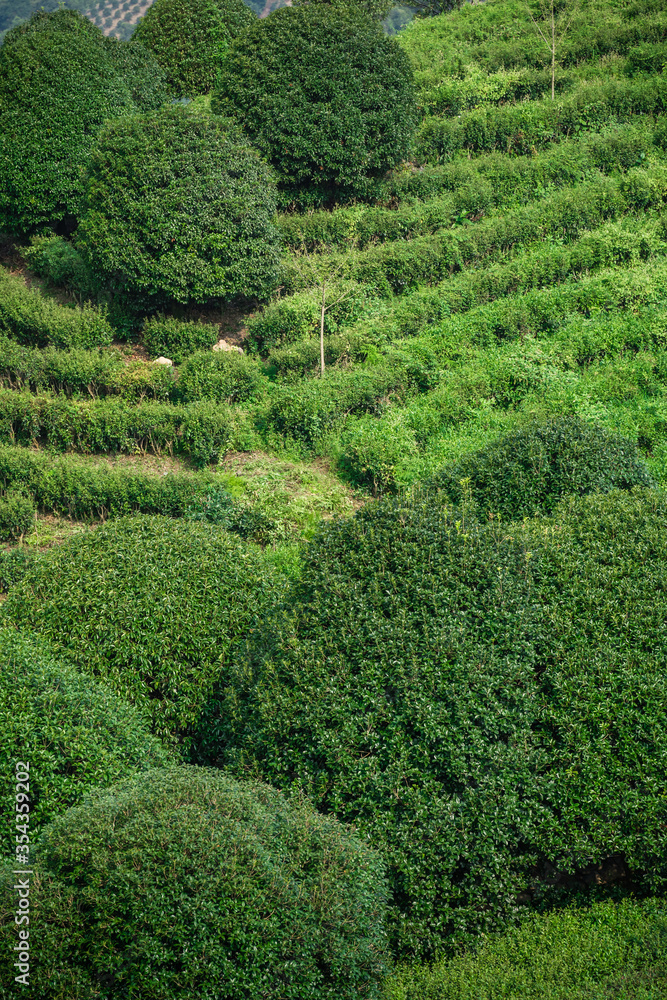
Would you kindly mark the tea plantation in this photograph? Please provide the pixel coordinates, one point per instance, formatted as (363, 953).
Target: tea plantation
(333, 523)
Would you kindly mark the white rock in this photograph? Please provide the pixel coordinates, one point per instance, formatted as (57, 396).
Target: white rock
(222, 345)
(163, 361)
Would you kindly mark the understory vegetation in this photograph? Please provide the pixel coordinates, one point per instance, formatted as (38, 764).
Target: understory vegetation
(333, 455)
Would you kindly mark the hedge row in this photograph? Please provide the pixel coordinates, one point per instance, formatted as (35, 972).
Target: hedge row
(474, 186)
(612, 244)
(518, 129)
(310, 408)
(34, 320)
(220, 376)
(74, 487)
(82, 373)
(202, 431)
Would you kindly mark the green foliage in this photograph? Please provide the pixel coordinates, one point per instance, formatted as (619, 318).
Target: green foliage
(610, 949)
(17, 515)
(150, 604)
(178, 208)
(73, 487)
(60, 80)
(76, 734)
(189, 39)
(325, 96)
(176, 339)
(14, 562)
(528, 471)
(372, 451)
(517, 129)
(80, 373)
(189, 881)
(31, 318)
(220, 376)
(488, 706)
(57, 259)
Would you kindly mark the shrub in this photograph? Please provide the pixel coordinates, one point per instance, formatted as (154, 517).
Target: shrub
(221, 376)
(372, 451)
(193, 882)
(207, 432)
(151, 605)
(77, 735)
(17, 515)
(59, 82)
(325, 96)
(82, 373)
(480, 702)
(189, 39)
(14, 564)
(178, 208)
(175, 339)
(57, 259)
(33, 319)
(76, 488)
(607, 949)
(529, 470)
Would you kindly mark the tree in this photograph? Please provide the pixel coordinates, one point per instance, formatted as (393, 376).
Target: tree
(189, 39)
(555, 17)
(325, 96)
(60, 81)
(318, 270)
(179, 208)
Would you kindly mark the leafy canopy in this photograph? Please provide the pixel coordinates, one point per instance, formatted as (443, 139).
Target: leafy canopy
(487, 705)
(198, 885)
(60, 80)
(189, 39)
(77, 734)
(325, 96)
(179, 208)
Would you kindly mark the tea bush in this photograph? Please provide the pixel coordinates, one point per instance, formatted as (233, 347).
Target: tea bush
(57, 259)
(60, 81)
(149, 604)
(74, 487)
(14, 562)
(488, 705)
(17, 515)
(325, 96)
(162, 220)
(192, 881)
(607, 949)
(189, 40)
(221, 376)
(32, 319)
(77, 734)
(529, 470)
(175, 339)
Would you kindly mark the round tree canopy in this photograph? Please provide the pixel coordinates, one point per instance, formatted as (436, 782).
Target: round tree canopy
(190, 37)
(179, 207)
(202, 886)
(325, 96)
(60, 80)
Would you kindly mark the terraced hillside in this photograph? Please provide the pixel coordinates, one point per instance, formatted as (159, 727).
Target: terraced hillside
(390, 539)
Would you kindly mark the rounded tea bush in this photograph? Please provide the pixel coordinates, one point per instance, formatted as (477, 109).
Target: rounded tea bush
(150, 604)
(529, 470)
(488, 706)
(75, 733)
(189, 39)
(60, 81)
(325, 96)
(190, 883)
(17, 515)
(179, 208)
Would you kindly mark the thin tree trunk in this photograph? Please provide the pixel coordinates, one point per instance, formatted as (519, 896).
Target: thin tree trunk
(324, 301)
(553, 53)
